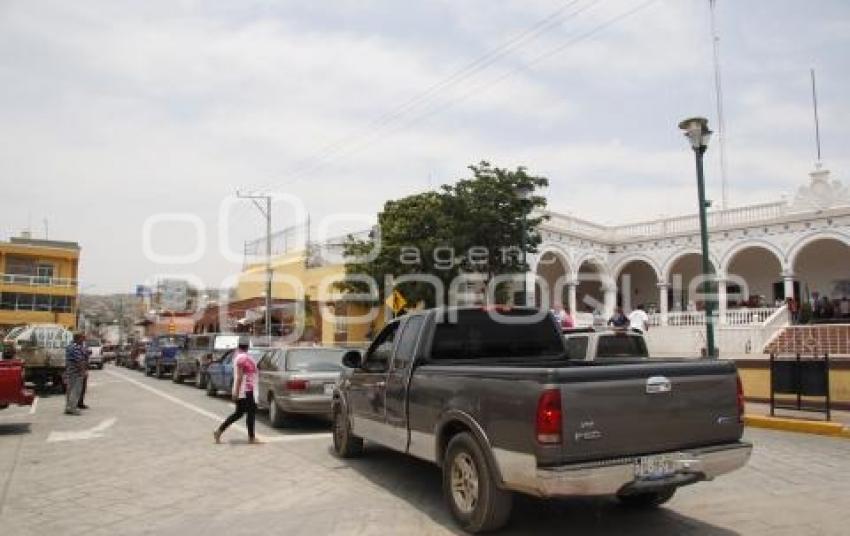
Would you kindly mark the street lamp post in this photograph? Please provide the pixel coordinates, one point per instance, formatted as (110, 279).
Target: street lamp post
(697, 131)
(523, 192)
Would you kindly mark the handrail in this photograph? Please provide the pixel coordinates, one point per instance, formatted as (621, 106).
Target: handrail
(38, 280)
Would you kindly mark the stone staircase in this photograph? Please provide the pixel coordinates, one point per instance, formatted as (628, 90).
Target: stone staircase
(832, 339)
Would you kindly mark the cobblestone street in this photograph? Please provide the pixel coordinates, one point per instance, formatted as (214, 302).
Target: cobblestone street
(142, 461)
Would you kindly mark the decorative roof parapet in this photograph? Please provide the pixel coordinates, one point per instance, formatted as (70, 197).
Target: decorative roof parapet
(820, 193)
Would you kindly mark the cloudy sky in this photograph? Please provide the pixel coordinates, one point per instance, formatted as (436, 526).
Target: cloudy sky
(114, 112)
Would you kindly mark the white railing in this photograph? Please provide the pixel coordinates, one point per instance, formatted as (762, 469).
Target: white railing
(38, 280)
(680, 224)
(745, 317)
(734, 317)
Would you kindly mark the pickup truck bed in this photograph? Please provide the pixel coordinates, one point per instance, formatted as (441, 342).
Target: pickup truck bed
(503, 394)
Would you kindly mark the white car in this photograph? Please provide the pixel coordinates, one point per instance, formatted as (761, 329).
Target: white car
(95, 348)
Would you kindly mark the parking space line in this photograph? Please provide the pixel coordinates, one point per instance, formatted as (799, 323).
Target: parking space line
(218, 418)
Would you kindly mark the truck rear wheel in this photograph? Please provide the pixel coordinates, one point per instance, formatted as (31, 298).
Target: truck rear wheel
(346, 444)
(650, 499)
(159, 371)
(469, 487)
(175, 375)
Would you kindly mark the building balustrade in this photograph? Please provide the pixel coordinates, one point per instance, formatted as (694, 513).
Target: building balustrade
(38, 280)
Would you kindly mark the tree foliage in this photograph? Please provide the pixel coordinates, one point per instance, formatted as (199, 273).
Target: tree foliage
(473, 226)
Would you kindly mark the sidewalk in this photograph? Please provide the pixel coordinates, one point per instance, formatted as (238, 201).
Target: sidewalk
(757, 415)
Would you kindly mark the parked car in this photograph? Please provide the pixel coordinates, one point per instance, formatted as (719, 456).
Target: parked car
(95, 348)
(42, 349)
(134, 354)
(200, 351)
(220, 372)
(109, 352)
(298, 380)
(161, 354)
(491, 397)
(591, 343)
(12, 389)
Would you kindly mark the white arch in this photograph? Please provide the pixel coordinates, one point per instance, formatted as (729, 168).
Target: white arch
(759, 243)
(556, 249)
(671, 260)
(804, 241)
(594, 259)
(636, 257)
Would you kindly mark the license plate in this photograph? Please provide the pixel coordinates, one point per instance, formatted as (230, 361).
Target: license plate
(329, 388)
(655, 467)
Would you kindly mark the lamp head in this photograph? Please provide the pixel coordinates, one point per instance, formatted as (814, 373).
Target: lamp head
(697, 131)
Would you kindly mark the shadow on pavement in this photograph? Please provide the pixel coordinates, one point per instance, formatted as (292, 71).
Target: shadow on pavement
(419, 484)
(299, 424)
(17, 428)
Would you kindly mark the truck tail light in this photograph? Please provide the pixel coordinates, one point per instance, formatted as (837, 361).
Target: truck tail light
(296, 385)
(740, 398)
(549, 417)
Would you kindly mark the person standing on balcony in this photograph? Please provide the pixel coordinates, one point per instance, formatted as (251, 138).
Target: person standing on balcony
(793, 309)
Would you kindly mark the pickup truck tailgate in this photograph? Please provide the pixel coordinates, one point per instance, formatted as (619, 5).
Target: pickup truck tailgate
(648, 408)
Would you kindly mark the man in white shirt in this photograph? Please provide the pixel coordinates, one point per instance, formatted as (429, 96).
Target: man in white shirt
(639, 320)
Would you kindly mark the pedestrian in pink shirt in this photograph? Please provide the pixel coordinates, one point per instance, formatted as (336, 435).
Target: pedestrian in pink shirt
(245, 377)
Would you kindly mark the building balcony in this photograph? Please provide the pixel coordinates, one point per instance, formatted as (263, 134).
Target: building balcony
(38, 281)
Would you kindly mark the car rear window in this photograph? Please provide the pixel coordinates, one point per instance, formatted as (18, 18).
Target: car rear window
(314, 360)
(577, 347)
(621, 345)
(226, 342)
(478, 335)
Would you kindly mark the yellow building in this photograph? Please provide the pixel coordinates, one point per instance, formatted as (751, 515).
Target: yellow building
(330, 316)
(39, 282)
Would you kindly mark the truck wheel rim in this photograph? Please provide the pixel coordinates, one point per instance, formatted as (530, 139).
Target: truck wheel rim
(464, 483)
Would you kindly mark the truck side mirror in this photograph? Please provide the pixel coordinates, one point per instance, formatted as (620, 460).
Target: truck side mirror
(352, 359)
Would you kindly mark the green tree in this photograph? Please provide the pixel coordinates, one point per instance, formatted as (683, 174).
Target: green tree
(472, 226)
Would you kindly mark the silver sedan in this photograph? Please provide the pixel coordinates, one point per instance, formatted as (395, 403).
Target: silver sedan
(298, 381)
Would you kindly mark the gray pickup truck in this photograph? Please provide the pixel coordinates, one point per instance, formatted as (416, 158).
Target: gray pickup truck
(491, 396)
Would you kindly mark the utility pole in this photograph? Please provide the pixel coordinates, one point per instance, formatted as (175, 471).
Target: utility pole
(718, 91)
(817, 121)
(267, 212)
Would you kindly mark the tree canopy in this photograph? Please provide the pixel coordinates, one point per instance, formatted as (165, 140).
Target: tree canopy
(475, 225)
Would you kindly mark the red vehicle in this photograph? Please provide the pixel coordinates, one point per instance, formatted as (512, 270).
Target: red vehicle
(12, 390)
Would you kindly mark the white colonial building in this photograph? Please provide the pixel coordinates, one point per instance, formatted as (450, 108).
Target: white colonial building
(761, 254)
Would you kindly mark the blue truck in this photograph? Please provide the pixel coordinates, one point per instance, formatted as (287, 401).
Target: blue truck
(161, 354)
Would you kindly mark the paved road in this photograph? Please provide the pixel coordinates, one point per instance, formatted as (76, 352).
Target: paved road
(142, 461)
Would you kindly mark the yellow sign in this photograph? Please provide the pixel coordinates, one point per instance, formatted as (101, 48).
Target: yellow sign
(396, 301)
(172, 327)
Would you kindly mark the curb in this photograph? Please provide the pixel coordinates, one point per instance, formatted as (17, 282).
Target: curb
(833, 429)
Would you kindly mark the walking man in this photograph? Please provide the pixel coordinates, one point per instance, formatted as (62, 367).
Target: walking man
(245, 379)
(75, 371)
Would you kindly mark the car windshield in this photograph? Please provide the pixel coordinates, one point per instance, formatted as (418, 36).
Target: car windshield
(314, 360)
(621, 345)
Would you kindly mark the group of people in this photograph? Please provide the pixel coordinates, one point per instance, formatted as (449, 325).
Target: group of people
(637, 320)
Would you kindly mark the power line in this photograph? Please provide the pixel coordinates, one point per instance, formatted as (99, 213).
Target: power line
(542, 26)
(476, 90)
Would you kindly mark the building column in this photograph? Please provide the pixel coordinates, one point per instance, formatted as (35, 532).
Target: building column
(788, 281)
(571, 297)
(609, 300)
(663, 304)
(721, 300)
